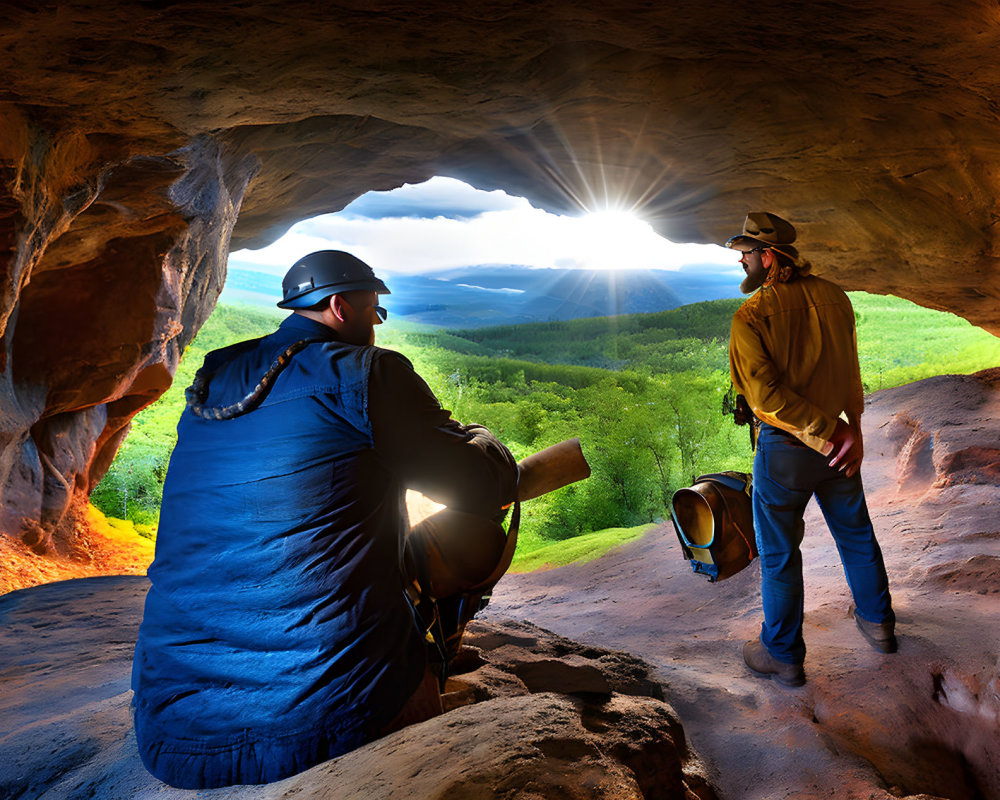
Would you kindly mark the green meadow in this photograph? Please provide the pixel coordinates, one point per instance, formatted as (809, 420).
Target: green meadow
(643, 392)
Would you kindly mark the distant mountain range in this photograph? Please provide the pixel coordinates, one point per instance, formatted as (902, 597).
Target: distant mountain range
(490, 294)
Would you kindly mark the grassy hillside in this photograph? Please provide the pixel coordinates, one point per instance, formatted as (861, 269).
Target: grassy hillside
(643, 393)
(898, 341)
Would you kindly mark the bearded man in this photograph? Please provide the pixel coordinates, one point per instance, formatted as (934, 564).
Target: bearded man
(794, 357)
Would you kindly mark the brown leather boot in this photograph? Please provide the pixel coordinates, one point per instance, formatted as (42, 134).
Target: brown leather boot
(880, 635)
(764, 665)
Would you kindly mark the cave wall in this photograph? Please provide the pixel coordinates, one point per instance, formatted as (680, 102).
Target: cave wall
(140, 140)
(114, 266)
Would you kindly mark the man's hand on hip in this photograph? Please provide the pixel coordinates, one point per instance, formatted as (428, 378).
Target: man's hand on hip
(848, 450)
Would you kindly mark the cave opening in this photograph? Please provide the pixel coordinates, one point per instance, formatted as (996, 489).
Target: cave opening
(460, 258)
(446, 246)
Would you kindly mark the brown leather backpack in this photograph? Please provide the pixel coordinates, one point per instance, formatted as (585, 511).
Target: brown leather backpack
(713, 519)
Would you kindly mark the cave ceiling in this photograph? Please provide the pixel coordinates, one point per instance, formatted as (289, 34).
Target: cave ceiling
(140, 141)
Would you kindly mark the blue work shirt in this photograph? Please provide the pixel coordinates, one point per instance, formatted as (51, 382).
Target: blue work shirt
(276, 632)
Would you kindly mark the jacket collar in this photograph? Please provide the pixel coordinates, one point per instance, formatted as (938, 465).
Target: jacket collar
(306, 328)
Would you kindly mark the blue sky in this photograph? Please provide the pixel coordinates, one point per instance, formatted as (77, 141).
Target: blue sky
(444, 223)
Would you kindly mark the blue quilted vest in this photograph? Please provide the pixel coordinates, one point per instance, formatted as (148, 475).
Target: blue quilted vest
(276, 634)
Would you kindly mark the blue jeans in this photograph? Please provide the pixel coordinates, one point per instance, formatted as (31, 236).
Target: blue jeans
(786, 474)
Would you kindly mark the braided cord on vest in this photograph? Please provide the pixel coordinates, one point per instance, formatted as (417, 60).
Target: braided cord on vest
(197, 392)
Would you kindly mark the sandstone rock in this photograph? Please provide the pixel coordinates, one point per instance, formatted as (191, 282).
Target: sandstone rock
(140, 140)
(570, 675)
(939, 431)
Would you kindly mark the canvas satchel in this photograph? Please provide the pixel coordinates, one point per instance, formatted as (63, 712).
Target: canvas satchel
(713, 519)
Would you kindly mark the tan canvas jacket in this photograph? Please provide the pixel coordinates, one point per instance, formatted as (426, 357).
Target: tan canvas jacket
(793, 354)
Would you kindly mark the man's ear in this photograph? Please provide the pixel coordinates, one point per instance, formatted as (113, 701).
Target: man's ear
(337, 307)
(767, 258)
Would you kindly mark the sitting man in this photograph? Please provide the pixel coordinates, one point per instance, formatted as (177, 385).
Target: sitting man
(277, 633)
(794, 357)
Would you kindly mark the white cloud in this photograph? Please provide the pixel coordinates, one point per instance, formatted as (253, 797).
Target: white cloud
(501, 230)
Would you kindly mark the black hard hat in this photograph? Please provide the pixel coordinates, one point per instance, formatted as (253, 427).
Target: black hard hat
(326, 272)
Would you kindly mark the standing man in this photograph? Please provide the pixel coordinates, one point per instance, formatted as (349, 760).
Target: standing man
(276, 632)
(793, 355)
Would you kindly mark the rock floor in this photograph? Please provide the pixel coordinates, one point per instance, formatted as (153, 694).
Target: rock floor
(529, 715)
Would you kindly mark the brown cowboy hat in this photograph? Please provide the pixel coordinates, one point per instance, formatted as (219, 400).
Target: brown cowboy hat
(763, 229)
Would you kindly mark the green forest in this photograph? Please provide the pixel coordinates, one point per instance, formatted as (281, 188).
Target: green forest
(643, 392)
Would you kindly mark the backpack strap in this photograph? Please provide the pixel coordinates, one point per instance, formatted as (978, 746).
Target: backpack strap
(508, 550)
(738, 481)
